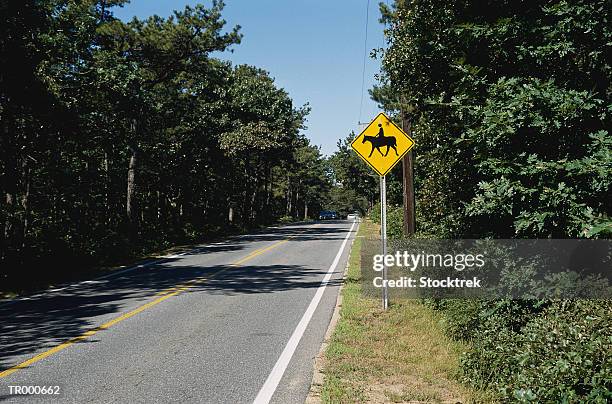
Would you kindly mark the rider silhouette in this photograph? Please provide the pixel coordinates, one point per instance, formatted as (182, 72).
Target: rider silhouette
(381, 140)
(381, 131)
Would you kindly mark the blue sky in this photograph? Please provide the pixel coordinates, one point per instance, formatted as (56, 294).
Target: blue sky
(313, 48)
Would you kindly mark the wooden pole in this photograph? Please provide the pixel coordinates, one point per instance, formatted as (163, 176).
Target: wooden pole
(408, 182)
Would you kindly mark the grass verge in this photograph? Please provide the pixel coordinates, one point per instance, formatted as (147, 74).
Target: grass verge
(401, 355)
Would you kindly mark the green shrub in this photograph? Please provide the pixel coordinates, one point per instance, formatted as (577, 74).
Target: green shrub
(395, 220)
(286, 219)
(461, 317)
(530, 351)
(375, 213)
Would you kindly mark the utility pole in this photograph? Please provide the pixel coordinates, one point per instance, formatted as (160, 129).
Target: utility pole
(408, 181)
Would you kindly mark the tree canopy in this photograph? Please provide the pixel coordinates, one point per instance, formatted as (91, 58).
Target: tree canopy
(509, 103)
(123, 137)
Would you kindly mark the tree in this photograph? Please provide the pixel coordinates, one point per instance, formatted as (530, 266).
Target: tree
(120, 138)
(264, 128)
(492, 89)
(351, 173)
(509, 103)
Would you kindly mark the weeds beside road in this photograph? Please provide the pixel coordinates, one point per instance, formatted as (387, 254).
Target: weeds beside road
(395, 356)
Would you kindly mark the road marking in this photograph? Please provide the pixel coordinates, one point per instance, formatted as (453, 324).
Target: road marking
(87, 334)
(261, 251)
(275, 376)
(163, 295)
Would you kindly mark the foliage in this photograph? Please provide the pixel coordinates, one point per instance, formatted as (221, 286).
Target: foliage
(560, 354)
(539, 190)
(352, 174)
(395, 220)
(510, 109)
(123, 137)
(346, 201)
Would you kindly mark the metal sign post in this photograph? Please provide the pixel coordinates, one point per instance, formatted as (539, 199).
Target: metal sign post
(382, 144)
(383, 236)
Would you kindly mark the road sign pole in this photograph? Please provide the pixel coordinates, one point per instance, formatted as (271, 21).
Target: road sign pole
(383, 234)
(382, 144)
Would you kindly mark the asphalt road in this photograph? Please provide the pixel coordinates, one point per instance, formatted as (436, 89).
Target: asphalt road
(231, 322)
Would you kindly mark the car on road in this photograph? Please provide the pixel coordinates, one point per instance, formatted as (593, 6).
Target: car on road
(328, 215)
(353, 216)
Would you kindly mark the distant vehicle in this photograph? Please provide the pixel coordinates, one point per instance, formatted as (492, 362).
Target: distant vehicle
(352, 216)
(328, 215)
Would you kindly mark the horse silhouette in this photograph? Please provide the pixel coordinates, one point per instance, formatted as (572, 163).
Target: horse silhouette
(381, 141)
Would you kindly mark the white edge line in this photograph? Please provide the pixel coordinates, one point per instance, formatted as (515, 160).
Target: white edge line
(269, 387)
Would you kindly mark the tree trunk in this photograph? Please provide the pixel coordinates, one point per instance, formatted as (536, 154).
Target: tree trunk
(305, 210)
(264, 199)
(9, 153)
(107, 208)
(159, 209)
(246, 209)
(253, 200)
(297, 199)
(289, 198)
(147, 197)
(268, 192)
(10, 211)
(25, 203)
(131, 204)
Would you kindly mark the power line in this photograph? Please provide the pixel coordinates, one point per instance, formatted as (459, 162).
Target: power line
(365, 54)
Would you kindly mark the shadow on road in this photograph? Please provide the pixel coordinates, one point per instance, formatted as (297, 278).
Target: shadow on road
(47, 319)
(302, 233)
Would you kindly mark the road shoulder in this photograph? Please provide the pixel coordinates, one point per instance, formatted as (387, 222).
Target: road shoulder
(400, 355)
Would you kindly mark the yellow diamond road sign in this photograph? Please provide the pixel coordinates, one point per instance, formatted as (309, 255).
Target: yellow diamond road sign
(382, 144)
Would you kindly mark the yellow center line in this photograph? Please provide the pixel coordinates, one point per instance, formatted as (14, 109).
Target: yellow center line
(259, 252)
(163, 295)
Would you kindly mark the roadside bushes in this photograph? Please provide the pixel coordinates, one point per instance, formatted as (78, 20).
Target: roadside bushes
(509, 105)
(528, 350)
(395, 219)
(535, 351)
(374, 214)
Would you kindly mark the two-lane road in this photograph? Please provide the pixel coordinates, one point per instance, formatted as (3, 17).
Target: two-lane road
(229, 322)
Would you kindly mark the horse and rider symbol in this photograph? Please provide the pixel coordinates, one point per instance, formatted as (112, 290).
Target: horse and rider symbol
(389, 136)
(381, 140)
